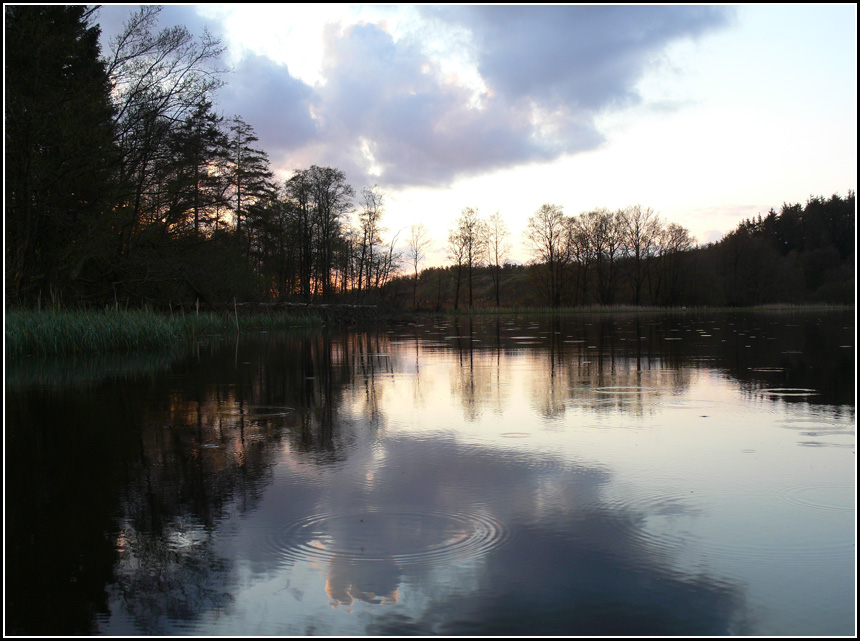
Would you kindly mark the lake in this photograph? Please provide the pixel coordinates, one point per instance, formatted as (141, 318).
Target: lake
(688, 474)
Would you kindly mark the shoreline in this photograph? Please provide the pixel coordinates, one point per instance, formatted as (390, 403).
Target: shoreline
(68, 332)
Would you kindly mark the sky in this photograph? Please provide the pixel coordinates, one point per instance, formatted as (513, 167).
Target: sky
(708, 114)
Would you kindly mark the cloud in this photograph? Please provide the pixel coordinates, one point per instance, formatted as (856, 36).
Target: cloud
(548, 72)
(462, 92)
(112, 20)
(278, 106)
(583, 57)
(387, 105)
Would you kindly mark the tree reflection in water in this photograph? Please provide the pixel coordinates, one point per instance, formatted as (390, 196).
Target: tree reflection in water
(199, 479)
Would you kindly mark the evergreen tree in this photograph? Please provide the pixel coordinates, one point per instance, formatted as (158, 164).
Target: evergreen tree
(197, 183)
(249, 170)
(59, 149)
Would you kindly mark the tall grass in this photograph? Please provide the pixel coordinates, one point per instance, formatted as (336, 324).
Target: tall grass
(77, 332)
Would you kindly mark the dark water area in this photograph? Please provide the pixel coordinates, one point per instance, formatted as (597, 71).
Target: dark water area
(583, 475)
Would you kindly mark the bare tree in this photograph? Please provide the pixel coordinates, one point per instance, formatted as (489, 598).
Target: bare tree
(387, 266)
(419, 243)
(158, 80)
(641, 228)
(168, 71)
(497, 250)
(547, 235)
(581, 256)
(370, 230)
(470, 231)
(673, 242)
(332, 197)
(456, 253)
(602, 229)
(318, 198)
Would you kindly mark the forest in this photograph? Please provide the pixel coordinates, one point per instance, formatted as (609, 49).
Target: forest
(800, 254)
(125, 186)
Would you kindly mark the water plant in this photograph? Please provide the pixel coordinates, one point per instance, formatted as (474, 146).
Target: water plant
(54, 332)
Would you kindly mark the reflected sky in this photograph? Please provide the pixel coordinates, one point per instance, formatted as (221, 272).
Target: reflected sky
(493, 476)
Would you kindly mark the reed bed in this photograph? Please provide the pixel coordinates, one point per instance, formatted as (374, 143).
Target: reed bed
(77, 332)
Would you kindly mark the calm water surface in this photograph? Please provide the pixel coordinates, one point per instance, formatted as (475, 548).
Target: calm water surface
(645, 475)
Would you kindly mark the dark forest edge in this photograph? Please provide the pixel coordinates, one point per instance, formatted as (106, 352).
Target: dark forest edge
(126, 190)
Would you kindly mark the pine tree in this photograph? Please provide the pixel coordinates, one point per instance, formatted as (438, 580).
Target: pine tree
(60, 157)
(249, 170)
(199, 151)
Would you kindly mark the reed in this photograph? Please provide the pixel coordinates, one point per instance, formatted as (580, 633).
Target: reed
(44, 333)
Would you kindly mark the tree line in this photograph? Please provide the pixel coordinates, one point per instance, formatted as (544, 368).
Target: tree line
(583, 259)
(632, 256)
(124, 185)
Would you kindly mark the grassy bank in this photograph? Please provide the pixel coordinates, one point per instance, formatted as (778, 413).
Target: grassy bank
(75, 332)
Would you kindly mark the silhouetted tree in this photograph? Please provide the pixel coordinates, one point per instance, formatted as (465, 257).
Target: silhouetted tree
(640, 228)
(369, 234)
(332, 199)
(59, 151)
(604, 234)
(672, 244)
(251, 179)
(197, 170)
(158, 80)
(419, 242)
(471, 232)
(457, 253)
(497, 250)
(547, 235)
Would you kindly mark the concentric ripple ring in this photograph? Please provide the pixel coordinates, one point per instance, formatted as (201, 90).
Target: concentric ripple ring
(404, 537)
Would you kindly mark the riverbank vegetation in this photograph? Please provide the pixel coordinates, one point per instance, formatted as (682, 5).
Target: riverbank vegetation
(125, 189)
(53, 332)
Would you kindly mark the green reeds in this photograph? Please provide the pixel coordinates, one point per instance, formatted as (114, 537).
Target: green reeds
(78, 332)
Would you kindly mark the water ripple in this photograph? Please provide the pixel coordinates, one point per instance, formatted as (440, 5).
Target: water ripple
(390, 535)
(787, 391)
(822, 497)
(622, 390)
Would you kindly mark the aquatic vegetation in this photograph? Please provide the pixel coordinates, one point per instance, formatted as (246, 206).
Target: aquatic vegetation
(86, 331)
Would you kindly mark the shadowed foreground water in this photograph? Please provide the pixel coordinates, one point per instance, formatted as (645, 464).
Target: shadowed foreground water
(650, 475)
